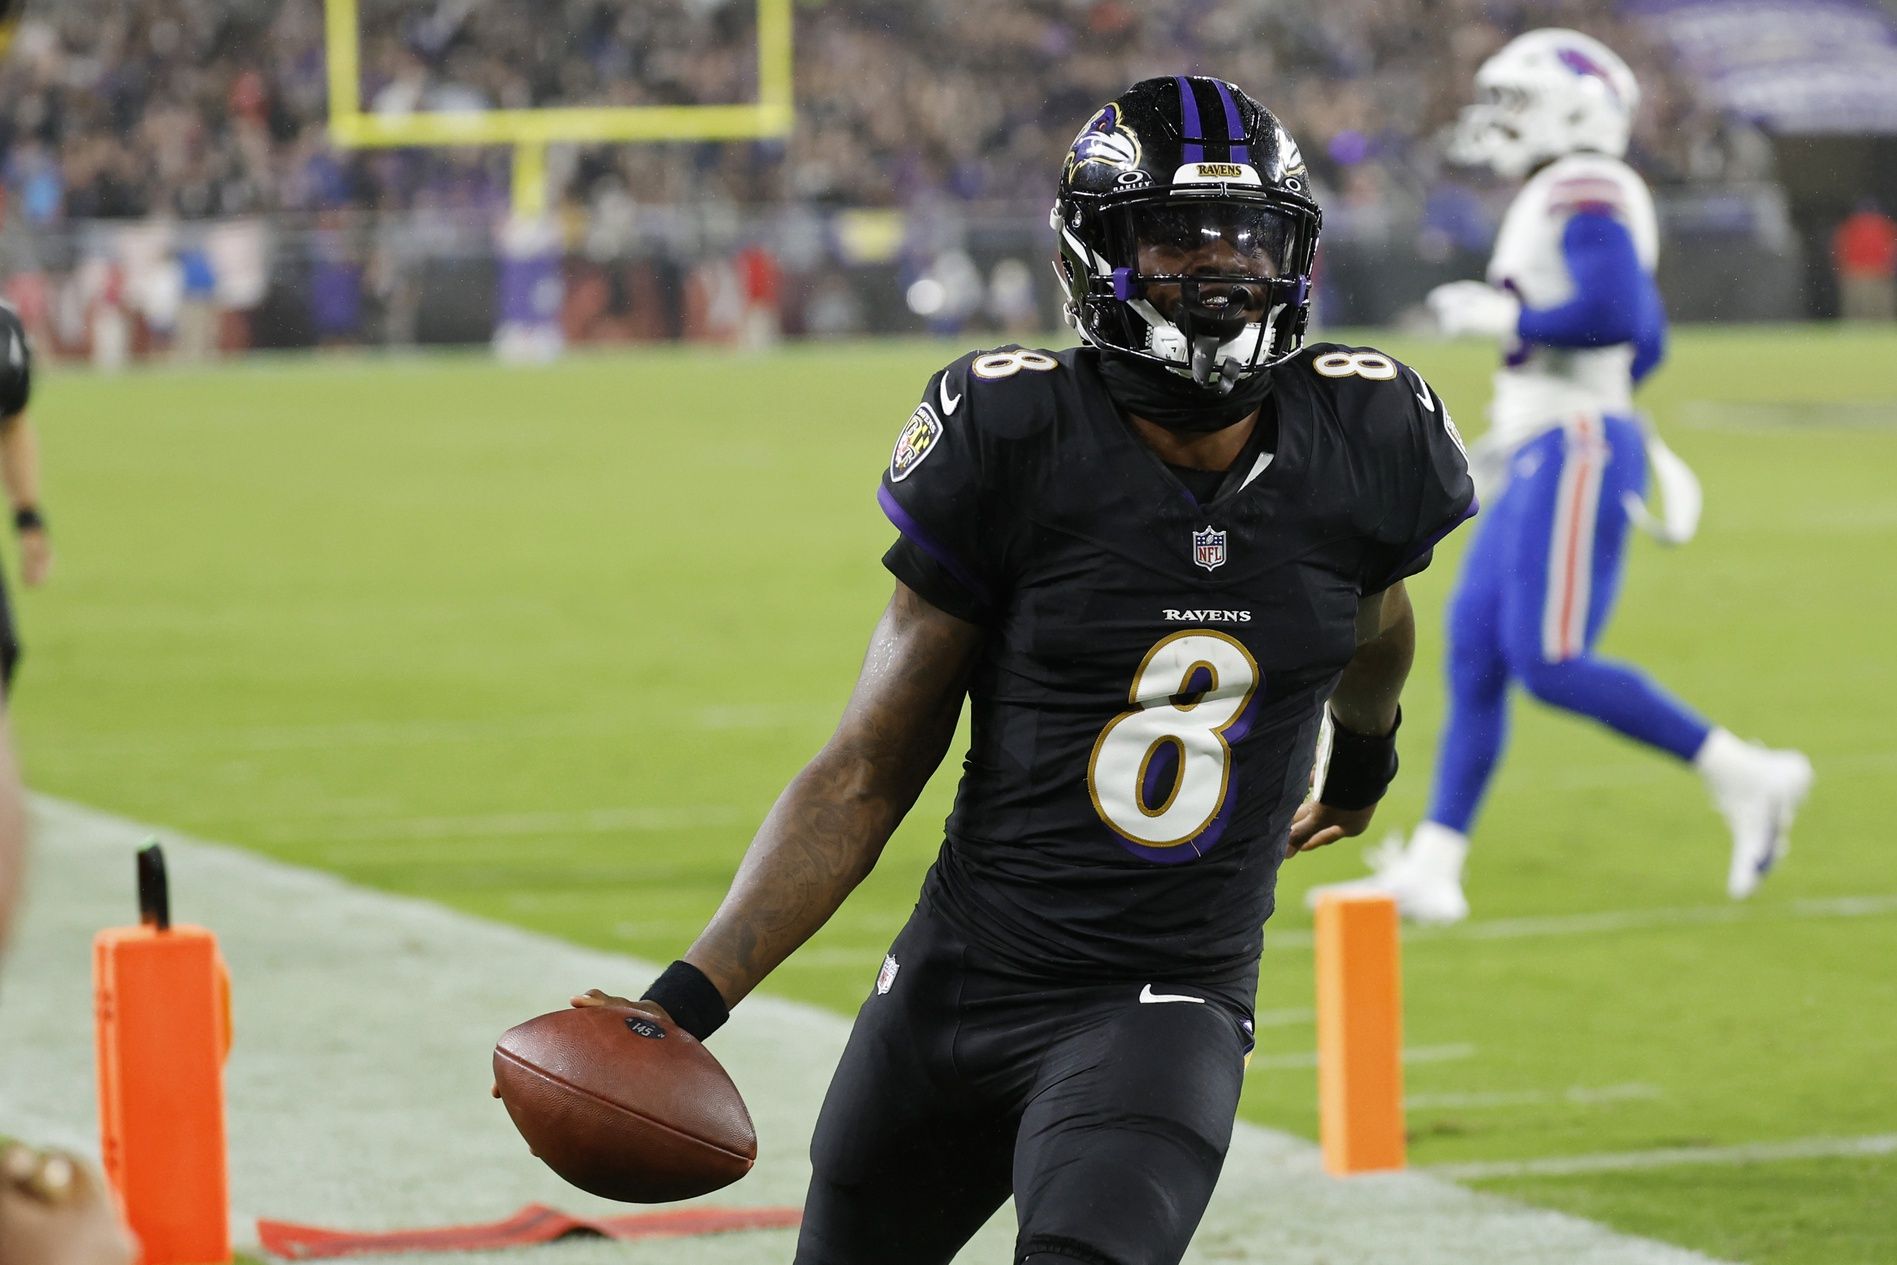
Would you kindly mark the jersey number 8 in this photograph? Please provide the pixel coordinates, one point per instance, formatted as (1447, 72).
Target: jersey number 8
(1355, 364)
(1192, 687)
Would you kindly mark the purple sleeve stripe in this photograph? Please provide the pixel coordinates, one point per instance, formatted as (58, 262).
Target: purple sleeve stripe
(1454, 522)
(908, 526)
(1189, 121)
(1234, 130)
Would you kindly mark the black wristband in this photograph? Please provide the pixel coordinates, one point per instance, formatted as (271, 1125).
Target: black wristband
(692, 1000)
(1361, 767)
(28, 518)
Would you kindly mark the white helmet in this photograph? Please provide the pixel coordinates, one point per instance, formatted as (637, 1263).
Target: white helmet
(1546, 94)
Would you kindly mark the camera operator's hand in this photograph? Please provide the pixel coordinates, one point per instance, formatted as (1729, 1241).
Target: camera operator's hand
(55, 1211)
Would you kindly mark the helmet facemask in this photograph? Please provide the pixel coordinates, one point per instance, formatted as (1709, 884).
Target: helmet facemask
(1208, 285)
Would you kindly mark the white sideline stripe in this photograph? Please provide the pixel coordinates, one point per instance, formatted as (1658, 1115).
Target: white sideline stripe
(1675, 1156)
(358, 1082)
(1411, 1054)
(1580, 1095)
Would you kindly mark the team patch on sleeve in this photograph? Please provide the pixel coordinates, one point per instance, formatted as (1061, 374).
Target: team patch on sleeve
(918, 439)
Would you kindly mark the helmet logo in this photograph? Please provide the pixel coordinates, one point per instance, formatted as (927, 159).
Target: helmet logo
(1580, 63)
(1106, 141)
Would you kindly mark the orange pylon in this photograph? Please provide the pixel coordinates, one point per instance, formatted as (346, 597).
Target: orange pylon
(1359, 1034)
(162, 999)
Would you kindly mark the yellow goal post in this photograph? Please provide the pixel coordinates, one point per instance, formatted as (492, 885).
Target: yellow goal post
(529, 132)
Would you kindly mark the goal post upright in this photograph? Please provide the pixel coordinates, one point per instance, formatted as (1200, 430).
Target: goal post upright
(529, 132)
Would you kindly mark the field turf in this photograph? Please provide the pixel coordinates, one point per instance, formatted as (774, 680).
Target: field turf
(544, 644)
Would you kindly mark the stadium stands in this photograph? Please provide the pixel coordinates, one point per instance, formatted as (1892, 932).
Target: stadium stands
(191, 113)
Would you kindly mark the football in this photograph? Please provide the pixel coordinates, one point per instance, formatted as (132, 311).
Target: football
(623, 1105)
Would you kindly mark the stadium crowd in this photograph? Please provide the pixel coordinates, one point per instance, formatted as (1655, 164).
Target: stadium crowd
(202, 108)
(189, 111)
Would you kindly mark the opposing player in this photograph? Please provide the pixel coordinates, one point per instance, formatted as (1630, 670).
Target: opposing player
(20, 473)
(1571, 295)
(1145, 563)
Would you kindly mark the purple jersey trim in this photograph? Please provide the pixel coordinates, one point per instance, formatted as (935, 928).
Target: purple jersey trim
(908, 526)
(1475, 506)
(1189, 119)
(1234, 130)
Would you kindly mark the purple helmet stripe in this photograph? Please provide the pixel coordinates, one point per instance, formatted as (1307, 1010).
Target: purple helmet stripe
(1234, 130)
(1189, 121)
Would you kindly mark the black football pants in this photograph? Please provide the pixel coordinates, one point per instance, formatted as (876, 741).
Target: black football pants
(1106, 1116)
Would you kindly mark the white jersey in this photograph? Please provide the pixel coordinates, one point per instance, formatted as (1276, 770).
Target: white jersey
(1540, 386)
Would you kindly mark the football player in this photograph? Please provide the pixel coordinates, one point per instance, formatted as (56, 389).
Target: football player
(20, 473)
(1571, 296)
(1144, 564)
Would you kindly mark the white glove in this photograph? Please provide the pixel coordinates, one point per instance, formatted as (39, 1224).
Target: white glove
(1473, 307)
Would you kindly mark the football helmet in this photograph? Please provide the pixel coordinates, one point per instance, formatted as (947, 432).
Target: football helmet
(1186, 231)
(1546, 94)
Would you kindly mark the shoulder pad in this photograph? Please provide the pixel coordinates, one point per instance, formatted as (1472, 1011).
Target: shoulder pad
(1001, 390)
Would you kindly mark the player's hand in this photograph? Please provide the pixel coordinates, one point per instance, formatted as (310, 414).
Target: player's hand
(36, 557)
(599, 997)
(1319, 825)
(53, 1211)
(1471, 307)
(595, 997)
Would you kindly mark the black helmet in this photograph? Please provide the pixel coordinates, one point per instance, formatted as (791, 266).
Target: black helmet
(1187, 231)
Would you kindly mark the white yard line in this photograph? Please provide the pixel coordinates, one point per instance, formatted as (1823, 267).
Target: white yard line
(1674, 1157)
(1411, 1054)
(1578, 1095)
(358, 1084)
(1607, 921)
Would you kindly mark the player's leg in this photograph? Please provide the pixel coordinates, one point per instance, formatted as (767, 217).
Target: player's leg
(905, 1167)
(1569, 570)
(1566, 564)
(1122, 1142)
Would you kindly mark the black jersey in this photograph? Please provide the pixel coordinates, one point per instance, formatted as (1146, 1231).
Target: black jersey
(16, 363)
(1146, 706)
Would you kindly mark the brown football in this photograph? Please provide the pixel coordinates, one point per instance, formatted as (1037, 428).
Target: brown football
(624, 1105)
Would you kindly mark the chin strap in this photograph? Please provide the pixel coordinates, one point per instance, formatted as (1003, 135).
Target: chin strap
(1208, 371)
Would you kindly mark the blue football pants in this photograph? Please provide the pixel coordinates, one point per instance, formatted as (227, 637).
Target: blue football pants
(1533, 597)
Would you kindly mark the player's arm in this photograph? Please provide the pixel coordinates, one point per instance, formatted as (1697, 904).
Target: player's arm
(830, 824)
(1364, 718)
(1614, 301)
(20, 473)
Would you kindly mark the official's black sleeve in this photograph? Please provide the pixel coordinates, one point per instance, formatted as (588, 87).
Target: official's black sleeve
(1434, 494)
(934, 492)
(16, 364)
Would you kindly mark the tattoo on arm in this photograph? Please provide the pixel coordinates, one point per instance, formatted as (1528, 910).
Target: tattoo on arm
(1367, 693)
(830, 824)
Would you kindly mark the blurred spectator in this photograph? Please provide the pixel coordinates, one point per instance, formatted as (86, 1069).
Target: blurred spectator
(762, 283)
(1011, 303)
(1864, 250)
(197, 310)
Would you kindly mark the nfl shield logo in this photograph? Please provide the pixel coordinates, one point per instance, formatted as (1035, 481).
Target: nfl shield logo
(1208, 548)
(887, 976)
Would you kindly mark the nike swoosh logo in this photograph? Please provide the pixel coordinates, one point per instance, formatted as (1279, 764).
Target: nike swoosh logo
(1424, 395)
(949, 402)
(1148, 996)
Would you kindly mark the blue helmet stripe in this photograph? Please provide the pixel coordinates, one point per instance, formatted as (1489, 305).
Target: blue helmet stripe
(1189, 120)
(1234, 130)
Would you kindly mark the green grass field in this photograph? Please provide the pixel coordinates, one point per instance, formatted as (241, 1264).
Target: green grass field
(544, 644)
